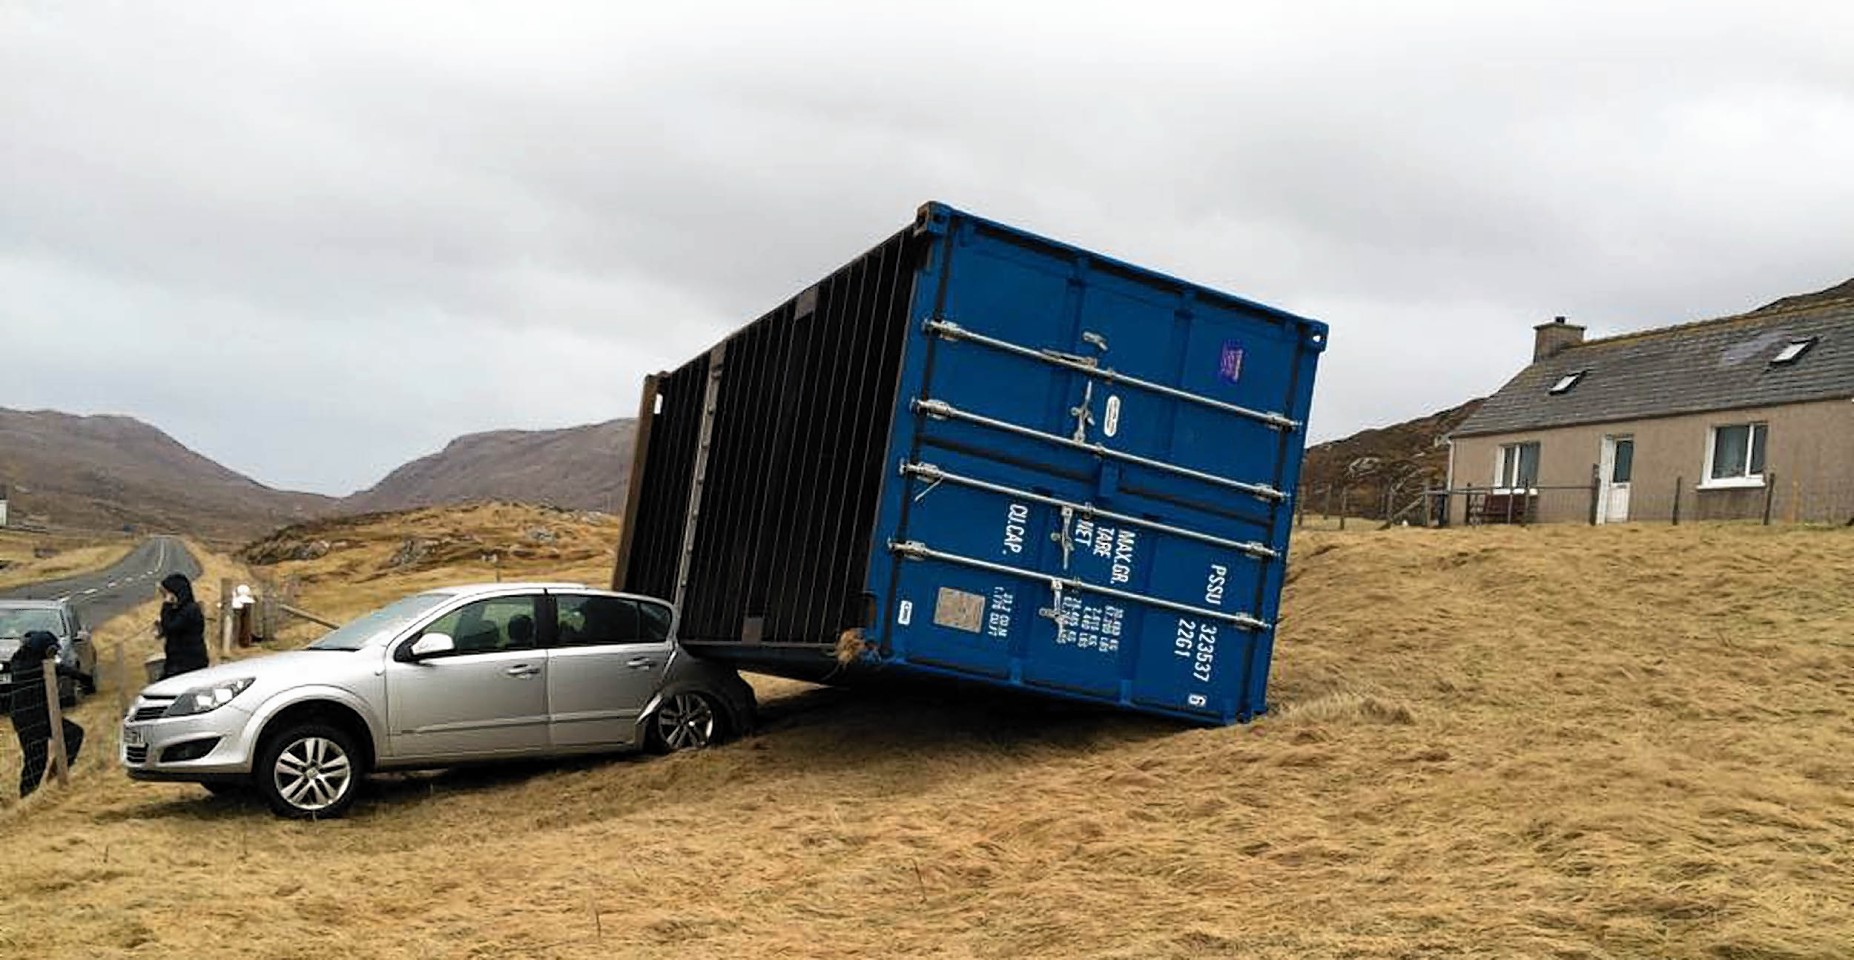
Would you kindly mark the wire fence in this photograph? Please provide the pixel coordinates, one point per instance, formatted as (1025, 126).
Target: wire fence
(1770, 499)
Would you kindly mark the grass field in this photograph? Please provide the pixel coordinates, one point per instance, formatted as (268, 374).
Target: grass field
(1551, 742)
(73, 554)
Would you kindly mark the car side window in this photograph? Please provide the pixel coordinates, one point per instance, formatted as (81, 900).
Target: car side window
(656, 621)
(487, 626)
(588, 621)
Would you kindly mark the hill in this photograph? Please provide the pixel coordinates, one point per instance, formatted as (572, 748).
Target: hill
(350, 562)
(105, 472)
(580, 468)
(1546, 742)
(1410, 456)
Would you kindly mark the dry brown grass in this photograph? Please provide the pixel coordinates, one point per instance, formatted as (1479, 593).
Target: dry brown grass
(1555, 742)
(363, 569)
(75, 554)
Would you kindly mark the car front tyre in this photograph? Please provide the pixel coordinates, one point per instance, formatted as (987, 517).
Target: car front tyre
(309, 770)
(685, 721)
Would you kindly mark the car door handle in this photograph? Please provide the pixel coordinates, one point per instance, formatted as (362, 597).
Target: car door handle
(522, 670)
(640, 663)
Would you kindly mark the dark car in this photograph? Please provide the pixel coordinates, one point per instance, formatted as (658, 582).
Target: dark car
(60, 619)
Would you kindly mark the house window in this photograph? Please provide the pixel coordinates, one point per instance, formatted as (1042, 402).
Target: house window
(1792, 351)
(1518, 468)
(1566, 382)
(1735, 455)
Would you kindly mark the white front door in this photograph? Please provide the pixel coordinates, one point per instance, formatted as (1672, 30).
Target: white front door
(1614, 472)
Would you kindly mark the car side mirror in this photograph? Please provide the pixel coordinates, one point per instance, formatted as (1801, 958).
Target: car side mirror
(432, 644)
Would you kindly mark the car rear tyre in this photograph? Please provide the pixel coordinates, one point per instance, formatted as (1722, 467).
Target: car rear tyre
(309, 770)
(685, 721)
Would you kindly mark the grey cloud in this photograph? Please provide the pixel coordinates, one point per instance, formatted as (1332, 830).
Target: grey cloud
(362, 224)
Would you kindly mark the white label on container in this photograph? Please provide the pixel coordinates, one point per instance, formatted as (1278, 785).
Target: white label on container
(1016, 517)
(905, 615)
(1112, 424)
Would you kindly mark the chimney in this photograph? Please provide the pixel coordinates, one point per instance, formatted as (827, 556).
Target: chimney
(1550, 339)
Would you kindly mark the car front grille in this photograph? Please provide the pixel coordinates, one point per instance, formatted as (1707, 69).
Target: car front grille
(149, 711)
(137, 755)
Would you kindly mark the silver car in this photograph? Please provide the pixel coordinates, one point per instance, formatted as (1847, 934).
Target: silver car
(438, 679)
(58, 618)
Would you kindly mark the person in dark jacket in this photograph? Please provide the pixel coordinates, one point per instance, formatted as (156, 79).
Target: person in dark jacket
(30, 713)
(182, 627)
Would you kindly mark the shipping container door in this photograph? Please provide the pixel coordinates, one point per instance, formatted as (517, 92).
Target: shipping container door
(1095, 461)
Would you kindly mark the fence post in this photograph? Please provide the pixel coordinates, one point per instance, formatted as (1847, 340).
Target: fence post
(226, 629)
(121, 669)
(1390, 492)
(1678, 482)
(1770, 493)
(54, 711)
(1345, 504)
(1326, 504)
(1596, 490)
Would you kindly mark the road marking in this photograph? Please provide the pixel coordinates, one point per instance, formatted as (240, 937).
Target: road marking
(90, 591)
(115, 583)
(64, 598)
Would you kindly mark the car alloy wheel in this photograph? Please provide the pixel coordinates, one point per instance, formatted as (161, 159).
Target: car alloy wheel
(310, 771)
(686, 721)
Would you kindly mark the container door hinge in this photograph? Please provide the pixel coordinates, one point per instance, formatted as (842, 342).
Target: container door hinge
(937, 409)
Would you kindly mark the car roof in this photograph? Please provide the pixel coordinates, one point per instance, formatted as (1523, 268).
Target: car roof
(33, 604)
(468, 589)
(463, 588)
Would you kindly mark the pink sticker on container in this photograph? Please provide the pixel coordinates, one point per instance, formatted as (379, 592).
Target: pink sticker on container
(1230, 368)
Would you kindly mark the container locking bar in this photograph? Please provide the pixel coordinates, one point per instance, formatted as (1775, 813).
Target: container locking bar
(934, 476)
(949, 330)
(915, 550)
(941, 410)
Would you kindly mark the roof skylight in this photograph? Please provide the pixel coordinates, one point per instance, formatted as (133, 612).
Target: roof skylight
(1566, 382)
(1793, 351)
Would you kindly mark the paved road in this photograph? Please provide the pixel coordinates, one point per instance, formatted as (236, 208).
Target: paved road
(100, 596)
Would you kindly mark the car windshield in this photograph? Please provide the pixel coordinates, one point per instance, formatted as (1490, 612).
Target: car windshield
(388, 619)
(17, 622)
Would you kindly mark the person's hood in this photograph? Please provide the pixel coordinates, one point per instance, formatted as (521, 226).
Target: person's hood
(179, 586)
(48, 643)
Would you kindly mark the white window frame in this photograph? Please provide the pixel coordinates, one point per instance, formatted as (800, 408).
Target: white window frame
(1567, 382)
(1793, 351)
(1749, 480)
(1499, 474)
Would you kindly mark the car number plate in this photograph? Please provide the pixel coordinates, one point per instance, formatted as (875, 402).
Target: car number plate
(131, 737)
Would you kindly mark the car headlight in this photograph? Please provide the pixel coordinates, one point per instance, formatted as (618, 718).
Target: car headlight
(206, 699)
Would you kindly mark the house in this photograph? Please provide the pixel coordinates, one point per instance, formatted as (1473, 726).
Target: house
(1719, 419)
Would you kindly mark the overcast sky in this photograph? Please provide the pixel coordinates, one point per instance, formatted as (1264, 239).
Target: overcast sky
(314, 243)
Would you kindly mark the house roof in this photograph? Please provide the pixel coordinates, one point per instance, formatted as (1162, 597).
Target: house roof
(1719, 364)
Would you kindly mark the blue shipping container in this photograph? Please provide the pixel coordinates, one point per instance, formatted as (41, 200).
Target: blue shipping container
(977, 453)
